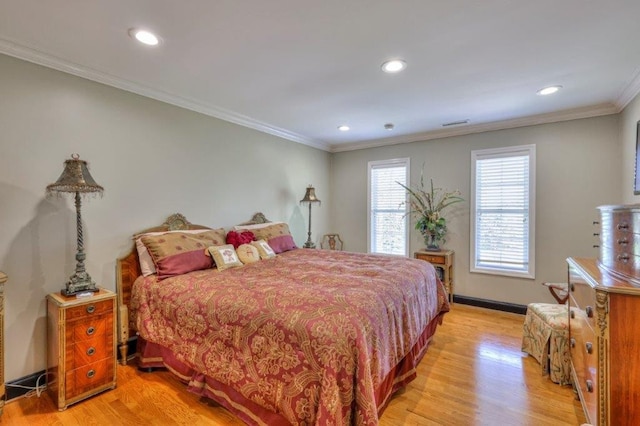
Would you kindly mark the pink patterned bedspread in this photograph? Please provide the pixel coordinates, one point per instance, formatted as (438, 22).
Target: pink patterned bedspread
(310, 335)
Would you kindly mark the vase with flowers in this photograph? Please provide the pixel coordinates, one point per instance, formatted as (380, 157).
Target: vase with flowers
(427, 205)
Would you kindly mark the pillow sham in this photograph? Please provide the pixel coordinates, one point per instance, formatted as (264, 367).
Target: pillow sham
(277, 235)
(255, 226)
(264, 249)
(178, 253)
(146, 263)
(225, 257)
(248, 253)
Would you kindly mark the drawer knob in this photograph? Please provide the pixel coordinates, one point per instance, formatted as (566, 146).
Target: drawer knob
(91, 309)
(573, 342)
(91, 373)
(624, 258)
(91, 351)
(589, 347)
(595, 234)
(572, 287)
(589, 311)
(91, 330)
(589, 386)
(623, 241)
(572, 314)
(595, 222)
(623, 226)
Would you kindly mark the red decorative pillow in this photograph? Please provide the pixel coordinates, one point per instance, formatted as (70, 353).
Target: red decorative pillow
(238, 238)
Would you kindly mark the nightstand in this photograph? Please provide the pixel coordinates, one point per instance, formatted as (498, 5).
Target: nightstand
(81, 353)
(443, 262)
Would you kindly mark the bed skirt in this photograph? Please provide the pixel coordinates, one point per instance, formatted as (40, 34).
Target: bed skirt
(152, 355)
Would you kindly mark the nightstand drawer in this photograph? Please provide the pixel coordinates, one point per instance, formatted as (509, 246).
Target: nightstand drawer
(90, 309)
(89, 351)
(89, 377)
(78, 331)
(440, 260)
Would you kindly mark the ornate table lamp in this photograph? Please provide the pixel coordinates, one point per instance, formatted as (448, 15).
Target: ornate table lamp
(76, 178)
(310, 198)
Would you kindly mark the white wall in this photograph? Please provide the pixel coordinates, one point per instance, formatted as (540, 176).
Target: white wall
(153, 160)
(628, 129)
(577, 170)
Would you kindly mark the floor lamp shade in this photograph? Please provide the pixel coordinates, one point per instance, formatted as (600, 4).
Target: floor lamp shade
(310, 198)
(76, 179)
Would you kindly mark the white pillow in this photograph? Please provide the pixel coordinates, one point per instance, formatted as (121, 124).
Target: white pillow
(256, 226)
(146, 263)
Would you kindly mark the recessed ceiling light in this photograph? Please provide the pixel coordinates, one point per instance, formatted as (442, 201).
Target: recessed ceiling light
(389, 126)
(344, 128)
(548, 90)
(393, 66)
(144, 36)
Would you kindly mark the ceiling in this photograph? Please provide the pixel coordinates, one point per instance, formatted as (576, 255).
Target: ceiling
(299, 69)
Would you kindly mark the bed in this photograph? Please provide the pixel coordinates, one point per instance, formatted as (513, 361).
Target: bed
(306, 337)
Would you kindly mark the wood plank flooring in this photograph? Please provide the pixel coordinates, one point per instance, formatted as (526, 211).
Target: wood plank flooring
(473, 374)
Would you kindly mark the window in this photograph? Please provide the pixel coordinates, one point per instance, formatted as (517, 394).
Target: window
(388, 230)
(503, 211)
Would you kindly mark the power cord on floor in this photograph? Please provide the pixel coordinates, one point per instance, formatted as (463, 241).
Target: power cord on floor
(33, 390)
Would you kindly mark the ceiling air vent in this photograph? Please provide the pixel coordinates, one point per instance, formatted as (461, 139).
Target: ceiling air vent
(455, 123)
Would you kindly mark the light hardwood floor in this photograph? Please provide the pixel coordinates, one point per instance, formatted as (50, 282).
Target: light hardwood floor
(473, 374)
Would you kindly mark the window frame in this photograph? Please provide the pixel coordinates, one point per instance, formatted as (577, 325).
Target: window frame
(395, 162)
(511, 151)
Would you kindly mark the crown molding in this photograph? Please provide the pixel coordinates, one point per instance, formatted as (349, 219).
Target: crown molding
(566, 115)
(29, 54)
(629, 92)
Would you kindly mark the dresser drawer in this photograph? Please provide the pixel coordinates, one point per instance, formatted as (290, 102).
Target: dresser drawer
(90, 309)
(584, 360)
(583, 300)
(89, 377)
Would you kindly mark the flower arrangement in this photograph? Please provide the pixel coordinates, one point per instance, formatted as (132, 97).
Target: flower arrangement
(427, 205)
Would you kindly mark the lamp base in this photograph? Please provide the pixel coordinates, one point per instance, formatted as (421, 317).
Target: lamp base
(79, 283)
(309, 244)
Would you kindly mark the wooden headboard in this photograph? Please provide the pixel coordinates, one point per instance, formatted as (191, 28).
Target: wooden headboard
(128, 270)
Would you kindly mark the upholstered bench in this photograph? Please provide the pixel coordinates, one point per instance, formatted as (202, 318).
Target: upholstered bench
(545, 336)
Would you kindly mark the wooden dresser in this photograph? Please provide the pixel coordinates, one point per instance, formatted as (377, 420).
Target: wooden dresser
(81, 355)
(3, 279)
(443, 262)
(605, 343)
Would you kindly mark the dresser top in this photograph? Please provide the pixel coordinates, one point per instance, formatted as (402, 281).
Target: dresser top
(601, 278)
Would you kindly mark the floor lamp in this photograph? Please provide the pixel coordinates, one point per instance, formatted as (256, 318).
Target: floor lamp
(310, 198)
(75, 178)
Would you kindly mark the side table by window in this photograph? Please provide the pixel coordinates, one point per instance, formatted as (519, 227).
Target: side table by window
(443, 262)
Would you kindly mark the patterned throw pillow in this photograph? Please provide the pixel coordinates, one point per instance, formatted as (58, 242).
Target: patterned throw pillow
(224, 256)
(248, 253)
(178, 253)
(264, 249)
(277, 235)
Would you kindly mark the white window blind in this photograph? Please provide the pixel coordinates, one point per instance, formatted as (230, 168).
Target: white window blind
(387, 207)
(503, 225)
